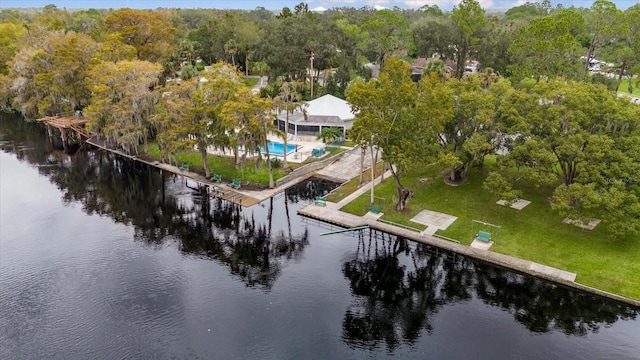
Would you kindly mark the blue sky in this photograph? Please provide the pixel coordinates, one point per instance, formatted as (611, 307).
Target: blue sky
(278, 4)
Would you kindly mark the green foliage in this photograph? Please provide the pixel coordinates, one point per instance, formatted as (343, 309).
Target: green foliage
(388, 34)
(329, 134)
(150, 32)
(582, 140)
(534, 233)
(398, 117)
(469, 20)
(547, 47)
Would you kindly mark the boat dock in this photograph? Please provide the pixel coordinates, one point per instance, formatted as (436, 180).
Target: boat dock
(67, 125)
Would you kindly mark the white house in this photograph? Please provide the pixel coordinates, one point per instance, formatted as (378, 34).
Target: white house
(325, 111)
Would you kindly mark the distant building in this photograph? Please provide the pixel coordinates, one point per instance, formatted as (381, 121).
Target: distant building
(418, 66)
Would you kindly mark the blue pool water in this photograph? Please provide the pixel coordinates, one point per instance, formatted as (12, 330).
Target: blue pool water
(277, 149)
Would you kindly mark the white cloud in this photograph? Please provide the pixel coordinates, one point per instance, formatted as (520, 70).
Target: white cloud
(377, 4)
(319, 9)
(510, 5)
(414, 4)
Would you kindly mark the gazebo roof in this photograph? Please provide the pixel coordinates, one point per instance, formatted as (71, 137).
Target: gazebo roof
(325, 110)
(329, 105)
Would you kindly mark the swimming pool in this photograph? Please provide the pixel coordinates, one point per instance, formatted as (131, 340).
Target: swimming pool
(276, 148)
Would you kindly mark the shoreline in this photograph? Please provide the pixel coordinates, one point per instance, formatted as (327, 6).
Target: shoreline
(332, 214)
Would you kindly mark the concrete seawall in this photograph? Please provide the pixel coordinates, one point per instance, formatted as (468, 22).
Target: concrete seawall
(331, 214)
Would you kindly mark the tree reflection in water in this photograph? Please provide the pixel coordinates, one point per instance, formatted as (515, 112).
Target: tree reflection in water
(160, 208)
(399, 285)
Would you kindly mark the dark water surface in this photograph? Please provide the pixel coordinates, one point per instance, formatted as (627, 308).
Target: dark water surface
(104, 258)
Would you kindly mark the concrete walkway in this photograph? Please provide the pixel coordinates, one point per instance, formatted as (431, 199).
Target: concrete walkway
(363, 189)
(331, 213)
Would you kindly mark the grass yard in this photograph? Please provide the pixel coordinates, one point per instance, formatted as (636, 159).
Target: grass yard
(624, 86)
(251, 81)
(224, 167)
(535, 233)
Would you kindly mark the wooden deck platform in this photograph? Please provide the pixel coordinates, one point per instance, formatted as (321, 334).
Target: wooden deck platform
(74, 123)
(227, 193)
(67, 124)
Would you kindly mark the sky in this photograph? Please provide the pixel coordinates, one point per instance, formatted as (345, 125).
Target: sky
(279, 4)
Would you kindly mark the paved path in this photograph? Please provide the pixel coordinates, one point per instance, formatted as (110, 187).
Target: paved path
(347, 167)
(363, 189)
(260, 84)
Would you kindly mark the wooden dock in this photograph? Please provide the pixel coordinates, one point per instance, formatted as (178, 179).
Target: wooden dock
(67, 125)
(232, 195)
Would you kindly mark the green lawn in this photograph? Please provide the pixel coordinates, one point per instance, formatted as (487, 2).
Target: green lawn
(624, 85)
(251, 81)
(224, 167)
(535, 233)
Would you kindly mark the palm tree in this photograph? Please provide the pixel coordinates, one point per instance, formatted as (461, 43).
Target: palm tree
(436, 66)
(329, 134)
(231, 48)
(290, 100)
(261, 67)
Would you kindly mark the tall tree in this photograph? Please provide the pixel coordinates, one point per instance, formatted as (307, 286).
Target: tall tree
(393, 116)
(469, 20)
(150, 32)
(123, 101)
(467, 136)
(581, 139)
(191, 118)
(49, 79)
(289, 99)
(547, 47)
(388, 35)
(11, 34)
(604, 24)
(433, 35)
(252, 118)
(261, 68)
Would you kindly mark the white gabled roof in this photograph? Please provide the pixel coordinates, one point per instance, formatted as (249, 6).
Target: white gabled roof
(329, 105)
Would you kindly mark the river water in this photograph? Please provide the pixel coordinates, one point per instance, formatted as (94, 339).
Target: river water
(105, 258)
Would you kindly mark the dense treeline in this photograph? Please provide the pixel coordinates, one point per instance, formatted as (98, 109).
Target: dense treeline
(176, 76)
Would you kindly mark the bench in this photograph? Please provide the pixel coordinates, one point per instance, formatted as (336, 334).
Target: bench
(216, 178)
(218, 191)
(184, 167)
(235, 184)
(375, 209)
(319, 200)
(483, 236)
